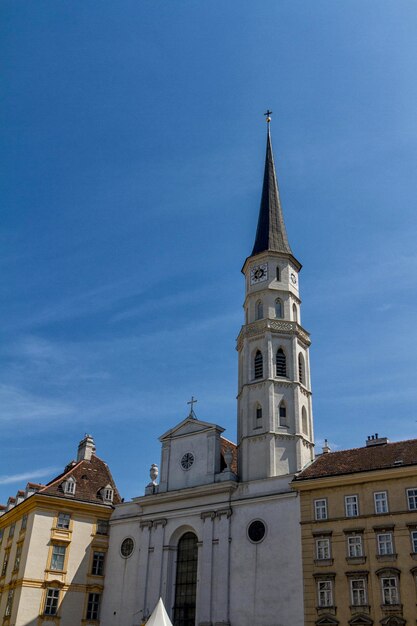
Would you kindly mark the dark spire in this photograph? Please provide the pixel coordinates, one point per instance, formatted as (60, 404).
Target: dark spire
(271, 233)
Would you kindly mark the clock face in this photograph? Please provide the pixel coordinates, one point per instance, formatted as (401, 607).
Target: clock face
(187, 460)
(259, 273)
(293, 278)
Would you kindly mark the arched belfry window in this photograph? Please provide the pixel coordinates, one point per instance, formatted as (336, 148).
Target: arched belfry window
(186, 581)
(279, 309)
(304, 423)
(301, 369)
(259, 313)
(258, 369)
(294, 313)
(283, 420)
(281, 363)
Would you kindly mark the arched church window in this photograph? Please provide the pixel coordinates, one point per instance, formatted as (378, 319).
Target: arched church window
(301, 372)
(294, 313)
(304, 423)
(186, 581)
(258, 365)
(259, 310)
(281, 363)
(258, 416)
(278, 274)
(279, 308)
(283, 414)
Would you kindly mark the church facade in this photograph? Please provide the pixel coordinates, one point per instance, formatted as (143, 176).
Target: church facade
(218, 536)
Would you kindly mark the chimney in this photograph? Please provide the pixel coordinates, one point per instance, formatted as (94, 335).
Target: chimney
(86, 448)
(326, 448)
(376, 440)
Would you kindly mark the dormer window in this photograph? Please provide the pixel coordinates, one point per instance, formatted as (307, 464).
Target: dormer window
(69, 486)
(107, 493)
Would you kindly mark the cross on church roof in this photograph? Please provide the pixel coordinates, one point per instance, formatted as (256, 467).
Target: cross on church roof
(268, 116)
(192, 402)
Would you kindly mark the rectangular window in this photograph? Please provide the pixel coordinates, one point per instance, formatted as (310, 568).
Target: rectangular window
(389, 591)
(351, 506)
(93, 605)
(5, 562)
(98, 564)
(11, 530)
(24, 522)
(414, 541)
(358, 592)
(17, 558)
(9, 603)
(320, 509)
(58, 558)
(385, 545)
(63, 520)
(325, 594)
(102, 527)
(51, 602)
(323, 548)
(412, 499)
(381, 502)
(355, 546)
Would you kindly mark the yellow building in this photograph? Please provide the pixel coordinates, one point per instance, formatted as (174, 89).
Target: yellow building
(359, 535)
(53, 544)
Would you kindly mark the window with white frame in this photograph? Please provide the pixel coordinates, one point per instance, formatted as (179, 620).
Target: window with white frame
(58, 557)
(5, 562)
(354, 546)
(323, 548)
(358, 591)
(412, 499)
(97, 568)
(17, 557)
(351, 506)
(69, 486)
(51, 602)
(385, 545)
(381, 502)
(414, 541)
(389, 590)
(93, 606)
(63, 520)
(325, 593)
(320, 509)
(108, 493)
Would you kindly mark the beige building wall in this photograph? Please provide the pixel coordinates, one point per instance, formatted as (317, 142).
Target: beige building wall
(372, 567)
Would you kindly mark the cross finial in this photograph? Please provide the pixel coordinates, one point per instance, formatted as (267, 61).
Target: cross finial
(268, 116)
(192, 402)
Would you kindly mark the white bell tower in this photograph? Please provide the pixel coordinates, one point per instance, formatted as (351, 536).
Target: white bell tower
(275, 421)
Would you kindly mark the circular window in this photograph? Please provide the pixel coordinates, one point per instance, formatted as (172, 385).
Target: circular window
(187, 460)
(256, 531)
(127, 546)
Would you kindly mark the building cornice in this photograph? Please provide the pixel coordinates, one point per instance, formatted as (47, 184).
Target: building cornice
(338, 480)
(275, 326)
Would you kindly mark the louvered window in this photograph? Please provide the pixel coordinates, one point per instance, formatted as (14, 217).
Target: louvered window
(281, 363)
(259, 365)
(301, 369)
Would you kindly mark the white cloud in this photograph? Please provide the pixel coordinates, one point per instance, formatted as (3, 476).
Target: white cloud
(28, 476)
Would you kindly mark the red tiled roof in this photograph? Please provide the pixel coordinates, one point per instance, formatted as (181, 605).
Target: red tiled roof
(365, 459)
(90, 476)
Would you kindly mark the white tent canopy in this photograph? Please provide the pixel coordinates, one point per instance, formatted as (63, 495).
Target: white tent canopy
(159, 616)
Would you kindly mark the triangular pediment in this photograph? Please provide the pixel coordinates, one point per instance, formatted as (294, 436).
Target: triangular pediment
(393, 620)
(361, 620)
(327, 620)
(189, 426)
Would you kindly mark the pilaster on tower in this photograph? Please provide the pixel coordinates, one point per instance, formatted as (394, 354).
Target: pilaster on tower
(275, 423)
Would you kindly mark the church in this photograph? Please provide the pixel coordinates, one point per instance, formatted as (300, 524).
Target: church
(216, 534)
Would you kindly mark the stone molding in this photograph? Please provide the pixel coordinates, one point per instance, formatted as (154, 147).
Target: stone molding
(275, 326)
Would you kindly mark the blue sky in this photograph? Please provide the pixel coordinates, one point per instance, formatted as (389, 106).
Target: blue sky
(133, 140)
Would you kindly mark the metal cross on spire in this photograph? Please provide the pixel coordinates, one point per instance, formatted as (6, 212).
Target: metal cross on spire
(192, 402)
(268, 116)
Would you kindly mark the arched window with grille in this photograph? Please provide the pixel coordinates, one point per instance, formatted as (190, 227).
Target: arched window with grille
(294, 313)
(279, 309)
(259, 313)
(281, 363)
(186, 581)
(304, 423)
(258, 365)
(258, 416)
(283, 420)
(301, 369)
